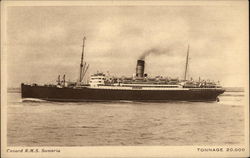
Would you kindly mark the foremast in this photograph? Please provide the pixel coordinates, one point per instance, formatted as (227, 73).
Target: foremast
(83, 67)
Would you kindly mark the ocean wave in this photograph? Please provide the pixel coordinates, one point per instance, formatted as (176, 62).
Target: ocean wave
(233, 95)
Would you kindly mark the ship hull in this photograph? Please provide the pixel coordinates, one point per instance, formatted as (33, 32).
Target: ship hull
(90, 94)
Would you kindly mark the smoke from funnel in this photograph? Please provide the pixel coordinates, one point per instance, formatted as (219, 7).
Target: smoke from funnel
(154, 51)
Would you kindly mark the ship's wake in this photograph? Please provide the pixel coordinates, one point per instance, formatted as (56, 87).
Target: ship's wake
(33, 100)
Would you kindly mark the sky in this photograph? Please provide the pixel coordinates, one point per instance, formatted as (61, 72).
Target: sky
(44, 41)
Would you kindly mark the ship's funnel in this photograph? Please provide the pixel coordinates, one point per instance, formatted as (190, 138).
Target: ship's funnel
(140, 68)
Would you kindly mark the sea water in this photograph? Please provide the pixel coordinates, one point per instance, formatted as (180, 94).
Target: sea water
(43, 123)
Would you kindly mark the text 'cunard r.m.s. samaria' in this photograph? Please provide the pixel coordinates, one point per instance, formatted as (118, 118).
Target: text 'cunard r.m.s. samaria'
(33, 150)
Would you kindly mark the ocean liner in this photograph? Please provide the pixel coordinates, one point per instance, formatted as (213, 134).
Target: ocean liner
(139, 87)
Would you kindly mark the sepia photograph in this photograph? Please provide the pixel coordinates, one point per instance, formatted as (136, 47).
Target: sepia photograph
(124, 79)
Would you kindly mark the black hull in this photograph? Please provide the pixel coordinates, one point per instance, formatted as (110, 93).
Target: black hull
(88, 94)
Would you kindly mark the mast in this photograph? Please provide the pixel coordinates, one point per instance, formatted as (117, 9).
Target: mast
(185, 76)
(85, 70)
(81, 64)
